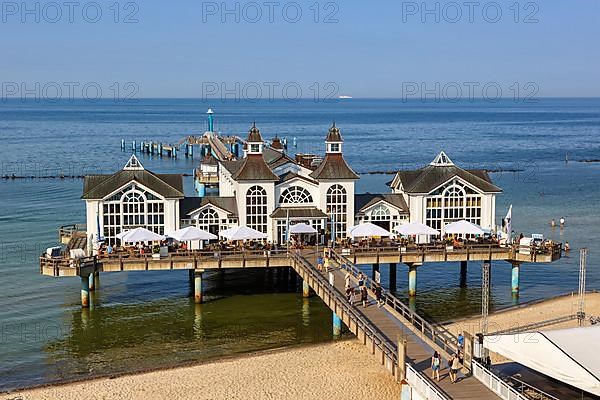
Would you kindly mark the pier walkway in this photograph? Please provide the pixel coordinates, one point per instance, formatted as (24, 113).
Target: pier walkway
(382, 329)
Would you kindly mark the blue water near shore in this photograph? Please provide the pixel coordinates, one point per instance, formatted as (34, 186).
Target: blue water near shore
(147, 320)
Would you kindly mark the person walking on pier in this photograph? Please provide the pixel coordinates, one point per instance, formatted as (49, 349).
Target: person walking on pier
(378, 292)
(454, 367)
(436, 362)
(364, 296)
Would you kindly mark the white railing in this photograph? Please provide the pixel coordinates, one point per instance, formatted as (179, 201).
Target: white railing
(495, 384)
(421, 384)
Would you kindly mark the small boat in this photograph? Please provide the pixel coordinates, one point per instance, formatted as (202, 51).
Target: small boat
(344, 97)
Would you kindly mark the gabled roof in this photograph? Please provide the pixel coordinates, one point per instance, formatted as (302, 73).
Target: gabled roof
(254, 168)
(232, 165)
(96, 187)
(190, 204)
(365, 200)
(440, 171)
(427, 179)
(334, 167)
(276, 158)
(288, 176)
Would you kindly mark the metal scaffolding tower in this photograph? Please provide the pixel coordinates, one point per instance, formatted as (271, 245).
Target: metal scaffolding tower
(582, 272)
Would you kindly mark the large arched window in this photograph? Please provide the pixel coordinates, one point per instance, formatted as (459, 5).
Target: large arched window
(131, 208)
(295, 195)
(380, 213)
(337, 206)
(208, 220)
(256, 208)
(134, 210)
(452, 203)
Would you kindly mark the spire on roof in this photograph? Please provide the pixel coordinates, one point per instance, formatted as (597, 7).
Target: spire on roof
(334, 134)
(254, 135)
(133, 164)
(442, 160)
(334, 140)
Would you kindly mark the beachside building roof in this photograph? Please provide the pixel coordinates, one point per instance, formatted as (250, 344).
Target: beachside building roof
(364, 201)
(438, 172)
(96, 187)
(190, 205)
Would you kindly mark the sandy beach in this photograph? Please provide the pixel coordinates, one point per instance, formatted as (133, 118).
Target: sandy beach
(335, 370)
(532, 313)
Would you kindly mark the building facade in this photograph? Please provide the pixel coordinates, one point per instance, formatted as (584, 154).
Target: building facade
(441, 193)
(130, 198)
(268, 191)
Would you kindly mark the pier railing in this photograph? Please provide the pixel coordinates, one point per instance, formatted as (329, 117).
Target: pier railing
(435, 333)
(424, 251)
(388, 349)
(66, 232)
(514, 389)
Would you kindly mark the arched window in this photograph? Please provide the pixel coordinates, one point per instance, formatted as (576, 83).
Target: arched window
(131, 208)
(380, 213)
(256, 208)
(134, 210)
(208, 220)
(452, 203)
(337, 206)
(295, 195)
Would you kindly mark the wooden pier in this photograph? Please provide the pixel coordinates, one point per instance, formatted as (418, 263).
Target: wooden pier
(397, 335)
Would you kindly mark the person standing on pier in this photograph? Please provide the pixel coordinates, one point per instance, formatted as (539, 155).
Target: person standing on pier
(378, 292)
(436, 361)
(454, 367)
(364, 296)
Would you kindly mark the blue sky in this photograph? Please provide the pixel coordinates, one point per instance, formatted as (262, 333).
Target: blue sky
(375, 49)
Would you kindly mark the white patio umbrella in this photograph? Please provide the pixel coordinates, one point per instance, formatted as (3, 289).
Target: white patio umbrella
(242, 233)
(463, 227)
(367, 230)
(415, 228)
(302, 228)
(139, 235)
(191, 233)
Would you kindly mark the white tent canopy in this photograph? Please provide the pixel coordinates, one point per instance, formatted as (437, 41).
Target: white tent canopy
(139, 235)
(242, 233)
(415, 228)
(191, 233)
(463, 227)
(302, 228)
(568, 355)
(367, 230)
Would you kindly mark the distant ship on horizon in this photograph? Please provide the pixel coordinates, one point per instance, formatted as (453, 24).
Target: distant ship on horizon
(344, 97)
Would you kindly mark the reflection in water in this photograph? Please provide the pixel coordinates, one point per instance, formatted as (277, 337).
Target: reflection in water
(116, 338)
(305, 312)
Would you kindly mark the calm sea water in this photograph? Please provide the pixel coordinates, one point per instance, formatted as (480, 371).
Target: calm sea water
(146, 320)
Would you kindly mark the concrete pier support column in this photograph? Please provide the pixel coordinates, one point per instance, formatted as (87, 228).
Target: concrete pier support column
(85, 291)
(515, 277)
(464, 265)
(375, 269)
(393, 275)
(305, 289)
(198, 286)
(412, 280)
(337, 326)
